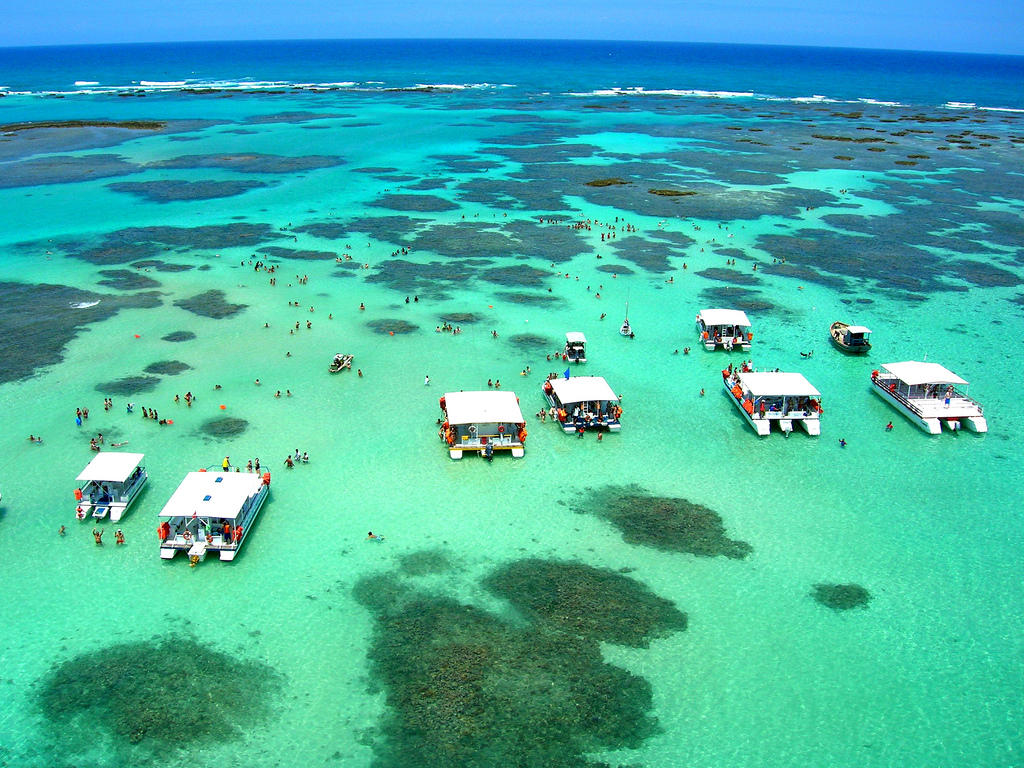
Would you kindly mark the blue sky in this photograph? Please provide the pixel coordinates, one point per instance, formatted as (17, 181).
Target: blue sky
(981, 26)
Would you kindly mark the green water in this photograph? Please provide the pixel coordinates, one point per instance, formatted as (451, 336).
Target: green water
(928, 674)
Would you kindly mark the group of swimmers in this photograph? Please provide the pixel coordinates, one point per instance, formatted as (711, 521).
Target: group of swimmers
(290, 460)
(97, 535)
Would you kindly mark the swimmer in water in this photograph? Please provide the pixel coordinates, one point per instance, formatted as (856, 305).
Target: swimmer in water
(372, 535)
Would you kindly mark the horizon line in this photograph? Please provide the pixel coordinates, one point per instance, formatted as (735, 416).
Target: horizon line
(503, 40)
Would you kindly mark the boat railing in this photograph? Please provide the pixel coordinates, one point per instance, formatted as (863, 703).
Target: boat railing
(133, 486)
(886, 383)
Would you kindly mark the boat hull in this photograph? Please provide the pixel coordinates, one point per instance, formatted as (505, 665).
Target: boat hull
(932, 424)
(116, 509)
(843, 347)
(762, 425)
(169, 548)
(570, 427)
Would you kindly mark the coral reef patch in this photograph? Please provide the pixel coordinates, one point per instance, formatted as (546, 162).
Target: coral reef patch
(595, 603)
(176, 693)
(841, 597)
(663, 522)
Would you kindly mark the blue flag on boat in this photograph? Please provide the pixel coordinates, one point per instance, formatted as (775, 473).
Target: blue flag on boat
(566, 374)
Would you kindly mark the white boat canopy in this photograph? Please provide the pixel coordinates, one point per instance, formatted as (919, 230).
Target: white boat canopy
(490, 407)
(111, 467)
(724, 317)
(212, 494)
(858, 329)
(778, 384)
(581, 389)
(914, 373)
(575, 336)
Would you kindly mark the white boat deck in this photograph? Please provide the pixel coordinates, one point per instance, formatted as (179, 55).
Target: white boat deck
(586, 401)
(482, 420)
(775, 397)
(928, 394)
(726, 328)
(203, 503)
(109, 485)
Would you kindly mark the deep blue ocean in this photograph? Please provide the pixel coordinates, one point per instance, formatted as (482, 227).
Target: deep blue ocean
(225, 218)
(534, 67)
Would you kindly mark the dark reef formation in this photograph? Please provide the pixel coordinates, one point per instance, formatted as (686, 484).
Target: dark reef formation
(129, 385)
(662, 522)
(167, 367)
(210, 304)
(591, 602)
(841, 597)
(174, 693)
(224, 427)
(391, 326)
(467, 688)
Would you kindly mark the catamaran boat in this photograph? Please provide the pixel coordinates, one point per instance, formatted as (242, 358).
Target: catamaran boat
(583, 402)
(482, 421)
(850, 338)
(767, 397)
(725, 328)
(340, 362)
(575, 347)
(109, 484)
(929, 395)
(211, 512)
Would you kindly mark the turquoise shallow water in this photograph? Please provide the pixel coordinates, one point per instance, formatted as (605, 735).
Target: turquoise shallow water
(928, 674)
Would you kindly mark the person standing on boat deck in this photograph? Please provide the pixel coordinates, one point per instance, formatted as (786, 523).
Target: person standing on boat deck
(226, 464)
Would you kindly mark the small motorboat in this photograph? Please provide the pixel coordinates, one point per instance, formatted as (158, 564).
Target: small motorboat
(850, 338)
(340, 362)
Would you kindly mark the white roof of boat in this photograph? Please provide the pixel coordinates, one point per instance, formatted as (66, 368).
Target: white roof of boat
(858, 329)
(575, 336)
(212, 494)
(111, 467)
(579, 389)
(488, 407)
(778, 383)
(724, 317)
(913, 373)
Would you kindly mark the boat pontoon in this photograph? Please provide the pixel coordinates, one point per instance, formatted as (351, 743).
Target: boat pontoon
(109, 485)
(485, 421)
(928, 395)
(725, 328)
(583, 402)
(767, 397)
(211, 512)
